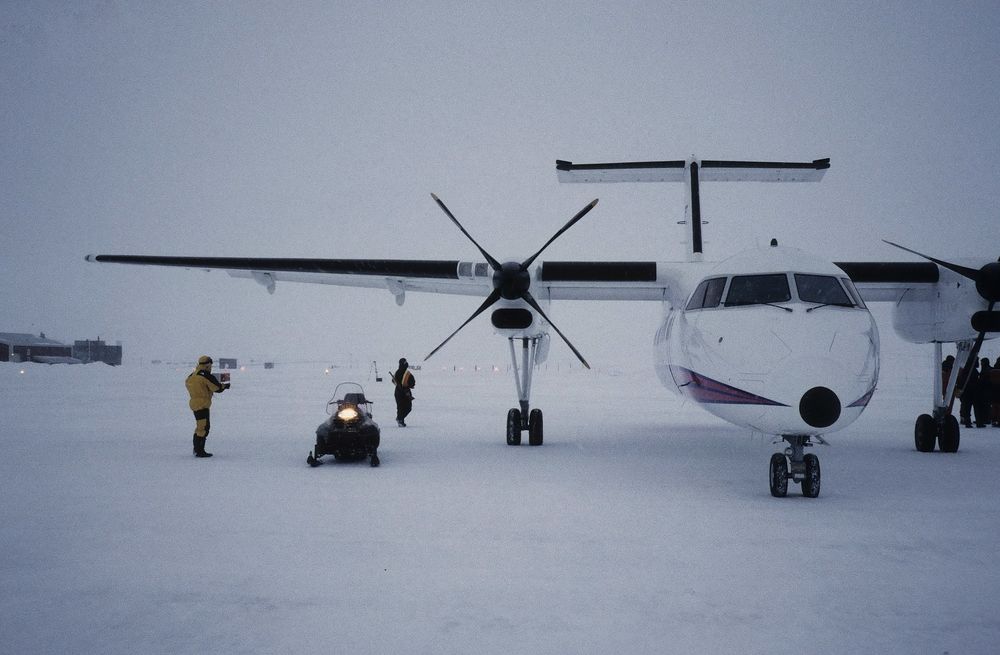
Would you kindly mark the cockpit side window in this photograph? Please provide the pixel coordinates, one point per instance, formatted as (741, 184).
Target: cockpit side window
(708, 294)
(758, 289)
(853, 290)
(822, 289)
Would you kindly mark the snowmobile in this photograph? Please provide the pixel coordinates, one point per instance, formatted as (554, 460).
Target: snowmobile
(349, 433)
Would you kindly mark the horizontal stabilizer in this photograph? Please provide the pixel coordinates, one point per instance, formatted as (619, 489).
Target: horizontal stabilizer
(643, 171)
(708, 171)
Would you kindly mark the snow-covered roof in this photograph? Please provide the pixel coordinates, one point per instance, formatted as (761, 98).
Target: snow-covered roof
(22, 339)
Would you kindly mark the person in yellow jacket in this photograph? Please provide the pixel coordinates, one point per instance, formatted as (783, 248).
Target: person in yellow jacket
(201, 384)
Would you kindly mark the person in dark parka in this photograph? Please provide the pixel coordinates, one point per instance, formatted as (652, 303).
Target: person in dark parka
(981, 401)
(995, 393)
(404, 381)
(201, 385)
(968, 392)
(946, 367)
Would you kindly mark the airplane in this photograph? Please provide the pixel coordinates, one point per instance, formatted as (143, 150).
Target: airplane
(772, 339)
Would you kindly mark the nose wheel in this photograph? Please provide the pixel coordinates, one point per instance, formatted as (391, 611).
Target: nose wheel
(516, 425)
(795, 465)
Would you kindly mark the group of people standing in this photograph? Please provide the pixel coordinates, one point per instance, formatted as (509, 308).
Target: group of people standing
(980, 396)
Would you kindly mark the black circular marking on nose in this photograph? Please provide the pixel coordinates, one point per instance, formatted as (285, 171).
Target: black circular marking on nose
(819, 407)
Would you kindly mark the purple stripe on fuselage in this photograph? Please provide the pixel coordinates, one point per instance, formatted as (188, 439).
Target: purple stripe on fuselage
(707, 390)
(863, 400)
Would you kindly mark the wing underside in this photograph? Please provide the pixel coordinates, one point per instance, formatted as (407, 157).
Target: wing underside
(552, 280)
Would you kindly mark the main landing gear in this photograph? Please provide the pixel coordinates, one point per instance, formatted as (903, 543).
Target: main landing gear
(803, 469)
(942, 426)
(521, 419)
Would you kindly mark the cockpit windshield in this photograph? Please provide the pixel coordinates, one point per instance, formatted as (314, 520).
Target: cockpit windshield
(773, 289)
(822, 289)
(758, 290)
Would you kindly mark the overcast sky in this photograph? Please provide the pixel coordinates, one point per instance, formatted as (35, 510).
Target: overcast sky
(320, 130)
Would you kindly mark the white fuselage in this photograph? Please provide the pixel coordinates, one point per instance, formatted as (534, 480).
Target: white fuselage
(806, 363)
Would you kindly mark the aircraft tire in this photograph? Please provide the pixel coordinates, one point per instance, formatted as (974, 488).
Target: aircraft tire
(514, 427)
(950, 435)
(778, 475)
(810, 483)
(925, 433)
(535, 435)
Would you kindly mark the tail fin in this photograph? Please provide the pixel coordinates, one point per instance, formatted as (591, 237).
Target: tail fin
(693, 171)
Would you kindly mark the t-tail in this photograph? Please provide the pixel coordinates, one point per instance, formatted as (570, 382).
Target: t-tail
(692, 172)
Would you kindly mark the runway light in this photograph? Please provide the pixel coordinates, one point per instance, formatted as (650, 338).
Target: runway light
(22, 371)
(326, 372)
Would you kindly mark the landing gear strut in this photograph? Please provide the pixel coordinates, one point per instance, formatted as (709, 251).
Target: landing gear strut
(803, 469)
(942, 426)
(522, 419)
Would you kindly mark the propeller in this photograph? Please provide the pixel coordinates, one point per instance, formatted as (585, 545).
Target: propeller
(987, 279)
(511, 280)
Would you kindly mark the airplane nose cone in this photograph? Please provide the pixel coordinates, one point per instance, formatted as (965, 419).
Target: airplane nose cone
(819, 407)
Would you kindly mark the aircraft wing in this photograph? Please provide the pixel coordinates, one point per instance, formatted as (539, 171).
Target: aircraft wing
(888, 281)
(609, 281)
(552, 280)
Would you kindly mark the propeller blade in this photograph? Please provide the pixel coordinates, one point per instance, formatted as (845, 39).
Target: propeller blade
(493, 262)
(580, 214)
(531, 301)
(490, 299)
(964, 271)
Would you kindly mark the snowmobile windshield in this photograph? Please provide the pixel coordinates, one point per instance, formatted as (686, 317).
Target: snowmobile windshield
(346, 393)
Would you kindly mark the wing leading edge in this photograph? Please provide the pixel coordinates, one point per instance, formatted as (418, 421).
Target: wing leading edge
(551, 280)
(888, 281)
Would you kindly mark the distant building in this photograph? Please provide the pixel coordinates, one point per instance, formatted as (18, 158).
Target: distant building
(19, 347)
(227, 363)
(97, 351)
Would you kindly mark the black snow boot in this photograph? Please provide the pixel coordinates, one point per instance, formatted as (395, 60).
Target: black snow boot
(199, 447)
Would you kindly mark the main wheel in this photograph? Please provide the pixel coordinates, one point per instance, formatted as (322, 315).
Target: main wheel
(374, 460)
(925, 433)
(950, 435)
(514, 427)
(810, 483)
(779, 475)
(535, 428)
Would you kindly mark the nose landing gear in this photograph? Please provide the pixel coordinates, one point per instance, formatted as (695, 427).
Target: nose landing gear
(802, 469)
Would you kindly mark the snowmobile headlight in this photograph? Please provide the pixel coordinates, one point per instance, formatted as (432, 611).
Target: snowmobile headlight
(348, 413)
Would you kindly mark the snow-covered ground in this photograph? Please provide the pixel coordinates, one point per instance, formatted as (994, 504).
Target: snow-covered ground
(642, 525)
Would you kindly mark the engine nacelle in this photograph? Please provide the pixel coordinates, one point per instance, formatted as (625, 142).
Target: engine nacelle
(941, 314)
